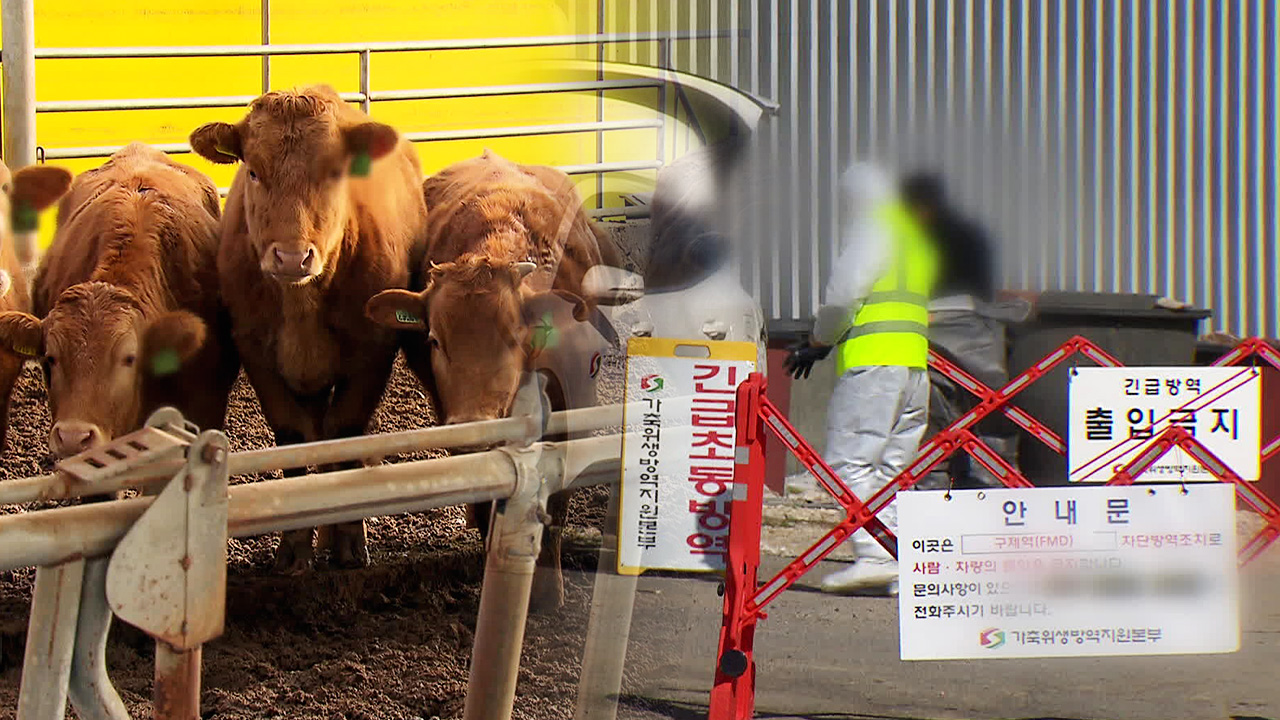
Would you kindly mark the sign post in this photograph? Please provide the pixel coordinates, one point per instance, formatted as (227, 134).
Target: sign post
(677, 481)
(1074, 571)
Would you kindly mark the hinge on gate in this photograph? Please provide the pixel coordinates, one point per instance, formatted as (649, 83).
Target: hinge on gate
(138, 448)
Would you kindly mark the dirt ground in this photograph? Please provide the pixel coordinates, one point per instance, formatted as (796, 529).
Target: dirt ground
(390, 641)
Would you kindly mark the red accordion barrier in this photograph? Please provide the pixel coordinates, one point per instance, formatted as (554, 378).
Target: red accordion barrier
(733, 694)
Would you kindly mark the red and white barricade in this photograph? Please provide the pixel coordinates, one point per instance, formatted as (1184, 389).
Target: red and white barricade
(733, 694)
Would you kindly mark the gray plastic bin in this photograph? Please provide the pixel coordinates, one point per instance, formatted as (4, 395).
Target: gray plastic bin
(1132, 328)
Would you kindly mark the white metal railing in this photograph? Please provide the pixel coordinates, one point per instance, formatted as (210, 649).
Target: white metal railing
(367, 95)
(159, 561)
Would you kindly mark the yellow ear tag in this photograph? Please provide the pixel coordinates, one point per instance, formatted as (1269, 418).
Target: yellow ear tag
(25, 350)
(225, 152)
(407, 318)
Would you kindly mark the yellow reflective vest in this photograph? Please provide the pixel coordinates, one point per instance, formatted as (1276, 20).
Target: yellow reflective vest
(892, 325)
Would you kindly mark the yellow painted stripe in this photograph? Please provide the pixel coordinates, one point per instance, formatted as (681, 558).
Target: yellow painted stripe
(734, 350)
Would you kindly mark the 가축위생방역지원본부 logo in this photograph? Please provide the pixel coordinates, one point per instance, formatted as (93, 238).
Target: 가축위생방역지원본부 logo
(991, 638)
(651, 383)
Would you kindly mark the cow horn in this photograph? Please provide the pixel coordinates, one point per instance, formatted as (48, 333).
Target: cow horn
(524, 268)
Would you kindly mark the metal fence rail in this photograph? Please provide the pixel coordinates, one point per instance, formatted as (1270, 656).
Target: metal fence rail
(21, 107)
(367, 95)
(159, 561)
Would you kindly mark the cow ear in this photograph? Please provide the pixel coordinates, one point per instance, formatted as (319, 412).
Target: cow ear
(372, 138)
(218, 142)
(398, 310)
(580, 311)
(21, 333)
(170, 341)
(39, 186)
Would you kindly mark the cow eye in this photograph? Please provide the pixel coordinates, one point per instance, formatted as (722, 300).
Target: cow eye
(253, 176)
(129, 360)
(50, 360)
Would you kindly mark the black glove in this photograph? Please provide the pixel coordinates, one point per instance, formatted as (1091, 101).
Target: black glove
(803, 355)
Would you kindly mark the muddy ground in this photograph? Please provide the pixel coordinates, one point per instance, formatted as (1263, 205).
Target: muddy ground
(389, 641)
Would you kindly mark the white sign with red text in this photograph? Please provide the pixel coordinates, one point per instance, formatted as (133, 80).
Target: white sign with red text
(1116, 412)
(677, 457)
(1083, 570)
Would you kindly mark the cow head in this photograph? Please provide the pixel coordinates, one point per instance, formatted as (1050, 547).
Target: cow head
(484, 327)
(298, 151)
(22, 195)
(98, 350)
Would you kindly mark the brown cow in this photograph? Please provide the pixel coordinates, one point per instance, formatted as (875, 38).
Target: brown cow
(129, 301)
(29, 191)
(325, 211)
(490, 222)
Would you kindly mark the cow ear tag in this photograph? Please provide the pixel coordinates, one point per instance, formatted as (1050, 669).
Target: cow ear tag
(361, 163)
(225, 152)
(165, 362)
(407, 318)
(544, 333)
(25, 218)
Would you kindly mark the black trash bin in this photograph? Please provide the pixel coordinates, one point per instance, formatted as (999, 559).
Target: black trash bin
(1132, 328)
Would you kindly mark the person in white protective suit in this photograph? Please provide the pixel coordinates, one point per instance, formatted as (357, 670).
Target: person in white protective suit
(875, 317)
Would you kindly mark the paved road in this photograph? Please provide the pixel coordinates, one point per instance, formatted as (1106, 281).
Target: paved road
(828, 658)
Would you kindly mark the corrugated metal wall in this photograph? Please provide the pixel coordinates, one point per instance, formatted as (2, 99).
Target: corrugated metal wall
(1118, 146)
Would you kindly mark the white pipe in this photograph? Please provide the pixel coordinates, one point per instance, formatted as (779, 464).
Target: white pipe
(353, 48)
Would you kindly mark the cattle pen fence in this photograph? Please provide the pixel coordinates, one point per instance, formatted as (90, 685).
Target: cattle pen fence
(159, 561)
(672, 106)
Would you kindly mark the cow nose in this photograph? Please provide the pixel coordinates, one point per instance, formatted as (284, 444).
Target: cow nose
(71, 437)
(293, 262)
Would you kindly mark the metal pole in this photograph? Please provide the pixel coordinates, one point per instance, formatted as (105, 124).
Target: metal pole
(664, 59)
(51, 635)
(92, 694)
(600, 28)
(177, 690)
(608, 628)
(266, 41)
(365, 82)
(18, 56)
(515, 538)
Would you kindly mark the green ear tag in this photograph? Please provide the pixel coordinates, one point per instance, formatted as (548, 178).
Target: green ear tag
(406, 317)
(360, 164)
(25, 218)
(544, 333)
(165, 362)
